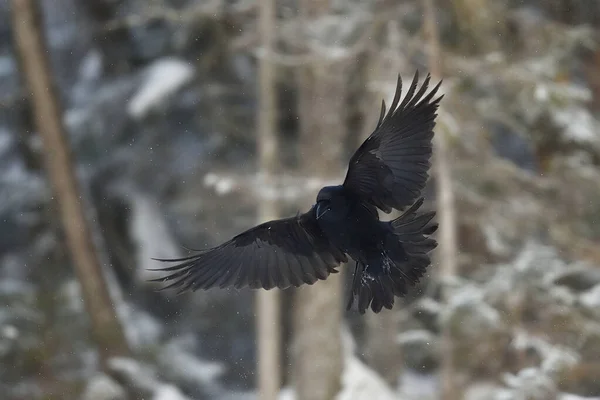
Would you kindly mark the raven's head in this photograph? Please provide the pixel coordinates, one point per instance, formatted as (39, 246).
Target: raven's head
(324, 198)
(328, 193)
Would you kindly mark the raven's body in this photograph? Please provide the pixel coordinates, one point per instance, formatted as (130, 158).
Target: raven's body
(387, 172)
(353, 226)
(349, 223)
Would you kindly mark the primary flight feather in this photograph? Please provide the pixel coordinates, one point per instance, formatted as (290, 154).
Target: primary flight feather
(388, 171)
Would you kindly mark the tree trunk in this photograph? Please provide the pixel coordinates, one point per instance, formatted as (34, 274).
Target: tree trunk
(447, 255)
(317, 348)
(106, 328)
(382, 351)
(268, 330)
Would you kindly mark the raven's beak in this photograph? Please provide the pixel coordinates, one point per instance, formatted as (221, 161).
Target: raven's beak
(321, 211)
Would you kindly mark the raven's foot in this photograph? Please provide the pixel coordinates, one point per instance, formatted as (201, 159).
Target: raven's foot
(387, 264)
(366, 278)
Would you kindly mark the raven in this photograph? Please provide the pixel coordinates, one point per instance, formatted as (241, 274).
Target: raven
(388, 171)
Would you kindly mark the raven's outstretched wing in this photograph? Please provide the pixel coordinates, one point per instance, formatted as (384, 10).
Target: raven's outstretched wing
(390, 169)
(280, 253)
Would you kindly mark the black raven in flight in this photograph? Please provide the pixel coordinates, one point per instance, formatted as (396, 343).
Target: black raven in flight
(388, 171)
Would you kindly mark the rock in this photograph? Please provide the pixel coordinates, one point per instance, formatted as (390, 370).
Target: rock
(102, 387)
(578, 279)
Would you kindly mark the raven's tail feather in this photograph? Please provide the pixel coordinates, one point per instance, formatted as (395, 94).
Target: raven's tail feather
(401, 263)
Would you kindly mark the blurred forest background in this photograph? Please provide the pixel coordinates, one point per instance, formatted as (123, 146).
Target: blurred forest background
(191, 120)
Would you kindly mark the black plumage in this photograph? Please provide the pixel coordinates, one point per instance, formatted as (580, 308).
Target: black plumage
(388, 171)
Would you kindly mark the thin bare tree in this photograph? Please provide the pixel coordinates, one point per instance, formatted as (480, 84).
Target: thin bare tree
(32, 51)
(268, 329)
(448, 250)
(318, 316)
(382, 350)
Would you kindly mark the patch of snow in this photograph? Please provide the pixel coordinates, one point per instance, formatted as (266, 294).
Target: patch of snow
(211, 179)
(416, 335)
(224, 186)
(10, 332)
(468, 308)
(237, 395)
(168, 392)
(103, 387)
(6, 141)
(591, 300)
(360, 382)
(163, 78)
(531, 383)
(178, 363)
(221, 184)
(91, 66)
(559, 359)
(579, 125)
(538, 260)
(287, 393)
(139, 376)
(149, 231)
(541, 93)
(7, 66)
(568, 396)
(418, 386)
(12, 287)
(494, 240)
(554, 358)
(430, 305)
(70, 291)
(348, 342)
(141, 328)
(562, 296)
(486, 391)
